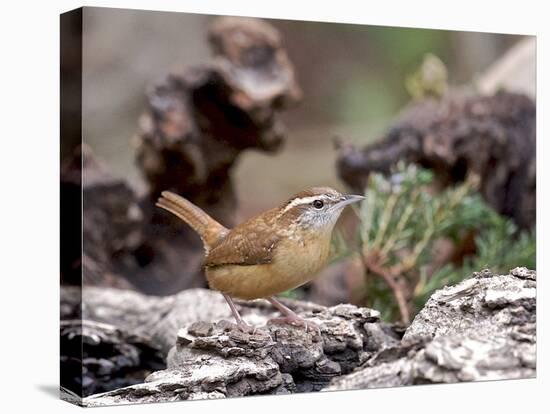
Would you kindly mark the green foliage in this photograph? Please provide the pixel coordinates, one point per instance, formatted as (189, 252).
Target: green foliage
(403, 218)
(499, 247)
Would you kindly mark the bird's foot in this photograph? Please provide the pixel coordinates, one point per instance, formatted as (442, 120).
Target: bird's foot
(295, 320)
(246, 328)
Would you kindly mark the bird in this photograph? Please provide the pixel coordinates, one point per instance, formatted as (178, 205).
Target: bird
(275, 251)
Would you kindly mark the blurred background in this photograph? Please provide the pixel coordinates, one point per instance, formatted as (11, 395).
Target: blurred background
(352, 78)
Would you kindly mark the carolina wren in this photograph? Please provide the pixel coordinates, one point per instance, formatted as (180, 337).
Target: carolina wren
(277, 250)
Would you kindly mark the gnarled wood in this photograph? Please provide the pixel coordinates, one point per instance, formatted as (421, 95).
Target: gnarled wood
(482, 328)
(491, 136)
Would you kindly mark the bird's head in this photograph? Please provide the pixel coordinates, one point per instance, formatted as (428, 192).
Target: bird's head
(317, 207)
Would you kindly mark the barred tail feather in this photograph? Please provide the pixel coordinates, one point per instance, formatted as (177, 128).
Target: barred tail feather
(209, 230)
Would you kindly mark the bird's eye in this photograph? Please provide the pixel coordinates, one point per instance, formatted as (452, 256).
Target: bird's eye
(318, 204)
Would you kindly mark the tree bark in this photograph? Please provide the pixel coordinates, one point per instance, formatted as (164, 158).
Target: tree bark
(482, 328)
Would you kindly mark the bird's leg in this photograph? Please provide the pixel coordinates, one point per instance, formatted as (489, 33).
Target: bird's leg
(291, 317)
(240, 322)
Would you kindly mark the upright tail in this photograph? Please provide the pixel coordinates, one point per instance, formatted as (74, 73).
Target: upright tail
(206, 227)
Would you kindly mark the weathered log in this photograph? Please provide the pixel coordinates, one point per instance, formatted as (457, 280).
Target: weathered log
(111, 223)
(199, 122)
(491, 134)
(159, 320)
(493, 137)
(212, 360)
(482, 328)
(98, 357)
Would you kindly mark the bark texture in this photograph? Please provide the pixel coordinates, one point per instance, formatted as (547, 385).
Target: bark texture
(98, 357)
(491, 134)
(493, 137)
(212, 360)
(482, 328)
(111, 222)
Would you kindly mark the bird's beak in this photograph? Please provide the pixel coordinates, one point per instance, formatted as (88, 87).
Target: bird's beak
(348, 199)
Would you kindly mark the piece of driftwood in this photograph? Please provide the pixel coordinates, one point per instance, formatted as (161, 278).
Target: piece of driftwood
(198, 122)
(213, 360)
(493, 137)
(482, 328)
(111, 221)
(159, 320)
(491, 133)
(98, 357)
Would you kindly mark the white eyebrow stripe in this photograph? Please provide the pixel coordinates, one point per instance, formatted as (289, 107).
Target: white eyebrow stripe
(301, 201)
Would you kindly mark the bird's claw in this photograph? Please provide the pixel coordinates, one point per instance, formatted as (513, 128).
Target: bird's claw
(246, 328)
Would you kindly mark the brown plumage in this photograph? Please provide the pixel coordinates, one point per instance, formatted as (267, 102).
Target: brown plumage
(209, 230)
(277, 250)
(243, 246)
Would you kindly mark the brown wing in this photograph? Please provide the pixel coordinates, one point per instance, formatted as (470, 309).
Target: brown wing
(250, 243)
